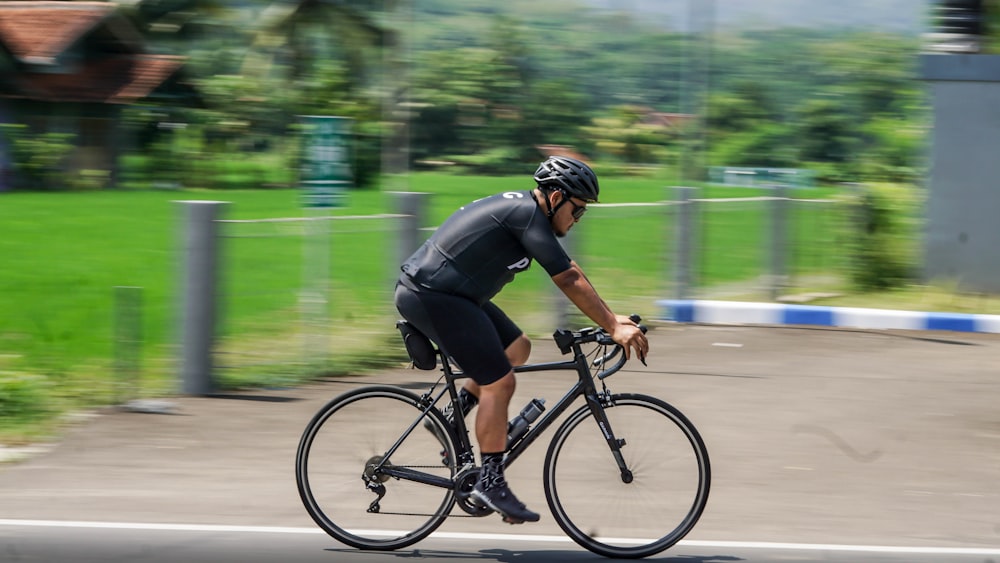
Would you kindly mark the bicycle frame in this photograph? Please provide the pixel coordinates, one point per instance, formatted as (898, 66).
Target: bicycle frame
(584, 387)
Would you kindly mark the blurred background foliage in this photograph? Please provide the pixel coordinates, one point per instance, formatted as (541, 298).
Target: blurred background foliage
(475, 86)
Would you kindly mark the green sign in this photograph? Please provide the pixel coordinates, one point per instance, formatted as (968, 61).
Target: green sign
(326, 168)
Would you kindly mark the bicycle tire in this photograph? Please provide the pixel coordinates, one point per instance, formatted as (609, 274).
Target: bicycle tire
(346, 436)
(589, 498)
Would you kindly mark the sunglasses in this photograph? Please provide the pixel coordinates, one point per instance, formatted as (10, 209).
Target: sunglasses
(578, 210)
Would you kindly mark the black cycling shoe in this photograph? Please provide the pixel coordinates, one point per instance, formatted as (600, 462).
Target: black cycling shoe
(503, 501)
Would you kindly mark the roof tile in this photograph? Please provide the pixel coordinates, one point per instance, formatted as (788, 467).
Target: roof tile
(64, 23)
(117, 80)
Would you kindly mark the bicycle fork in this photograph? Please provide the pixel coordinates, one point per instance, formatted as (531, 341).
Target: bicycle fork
(597, 401)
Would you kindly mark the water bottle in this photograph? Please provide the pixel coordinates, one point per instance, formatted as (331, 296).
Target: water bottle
(519, 424)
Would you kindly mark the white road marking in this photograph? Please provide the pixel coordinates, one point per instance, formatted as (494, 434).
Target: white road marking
(994, 551)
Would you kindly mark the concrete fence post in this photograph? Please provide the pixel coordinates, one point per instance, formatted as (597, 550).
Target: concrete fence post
(199, 282)
(778, 243)
(413, 206)
(561, 303)
(685, 213)
(128, 343)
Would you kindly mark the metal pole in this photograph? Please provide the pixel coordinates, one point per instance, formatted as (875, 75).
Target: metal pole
(198, 293)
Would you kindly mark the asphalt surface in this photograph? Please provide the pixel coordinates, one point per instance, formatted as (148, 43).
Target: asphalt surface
(817, 436)
(33, 544)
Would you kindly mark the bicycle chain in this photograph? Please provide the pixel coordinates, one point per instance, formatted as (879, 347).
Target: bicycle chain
(449, 515)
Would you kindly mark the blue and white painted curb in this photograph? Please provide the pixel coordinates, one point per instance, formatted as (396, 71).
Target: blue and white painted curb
(735, 312)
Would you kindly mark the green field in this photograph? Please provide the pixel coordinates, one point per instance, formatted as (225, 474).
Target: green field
(64, 254)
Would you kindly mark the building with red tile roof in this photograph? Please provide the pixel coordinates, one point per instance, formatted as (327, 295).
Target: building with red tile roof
(71, 67)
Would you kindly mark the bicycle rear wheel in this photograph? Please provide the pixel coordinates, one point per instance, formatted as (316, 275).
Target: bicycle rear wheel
(351, 435)
(668, 491)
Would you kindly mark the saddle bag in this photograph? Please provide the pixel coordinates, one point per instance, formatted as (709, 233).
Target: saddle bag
(418, 346)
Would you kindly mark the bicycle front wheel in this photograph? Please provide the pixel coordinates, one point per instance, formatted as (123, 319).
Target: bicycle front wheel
(338, 477)
(635, 516)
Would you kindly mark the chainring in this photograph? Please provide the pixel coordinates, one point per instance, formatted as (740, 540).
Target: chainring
(465, 481)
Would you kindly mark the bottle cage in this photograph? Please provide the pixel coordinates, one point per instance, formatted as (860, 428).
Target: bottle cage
(418, 346)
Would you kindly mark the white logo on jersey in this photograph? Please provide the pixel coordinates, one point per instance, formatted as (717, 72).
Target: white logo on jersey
(512, 195)
(520, 264)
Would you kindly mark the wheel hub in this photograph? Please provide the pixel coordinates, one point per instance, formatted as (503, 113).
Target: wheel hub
(370, 475)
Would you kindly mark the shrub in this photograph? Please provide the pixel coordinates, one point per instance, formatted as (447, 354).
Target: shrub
(490, 162)
(38, 160)
(883, 252)
(22, 398)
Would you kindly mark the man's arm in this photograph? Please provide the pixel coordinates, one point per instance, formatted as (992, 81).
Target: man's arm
(574, 283)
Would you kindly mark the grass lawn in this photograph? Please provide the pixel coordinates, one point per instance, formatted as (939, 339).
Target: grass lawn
(63, 254)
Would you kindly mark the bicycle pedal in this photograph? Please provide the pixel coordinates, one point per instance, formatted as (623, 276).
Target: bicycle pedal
(512, 522)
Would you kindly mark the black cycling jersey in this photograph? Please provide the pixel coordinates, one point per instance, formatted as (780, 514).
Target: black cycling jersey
(480, 248)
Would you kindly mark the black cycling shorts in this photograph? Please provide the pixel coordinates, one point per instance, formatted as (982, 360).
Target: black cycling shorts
(474, 336)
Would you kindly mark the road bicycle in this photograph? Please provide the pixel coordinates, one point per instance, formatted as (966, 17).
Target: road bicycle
(626, 475)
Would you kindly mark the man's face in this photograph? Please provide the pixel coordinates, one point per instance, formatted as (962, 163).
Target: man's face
(569, 210)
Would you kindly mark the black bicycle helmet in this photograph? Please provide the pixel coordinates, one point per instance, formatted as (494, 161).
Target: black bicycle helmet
(569, 175)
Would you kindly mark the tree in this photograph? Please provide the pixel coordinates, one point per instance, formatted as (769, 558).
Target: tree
(827, 132)
(747, 104)
(622, 134)
(767, 145)
(893, 151)
(293, 38)
(474, 88)
(875, 71)
(554, 114)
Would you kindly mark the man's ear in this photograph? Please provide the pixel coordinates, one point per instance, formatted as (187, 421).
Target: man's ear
(555, 196)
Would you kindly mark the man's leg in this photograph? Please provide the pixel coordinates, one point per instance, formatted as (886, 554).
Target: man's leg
(517, 352)
(491, 420)
(491, 431)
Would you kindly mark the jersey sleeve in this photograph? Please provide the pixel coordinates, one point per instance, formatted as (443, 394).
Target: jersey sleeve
(542, 244)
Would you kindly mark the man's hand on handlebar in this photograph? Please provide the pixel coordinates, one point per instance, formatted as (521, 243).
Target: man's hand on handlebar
(630, 336)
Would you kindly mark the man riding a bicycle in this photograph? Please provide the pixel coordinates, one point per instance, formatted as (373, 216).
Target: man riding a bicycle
(446, 287)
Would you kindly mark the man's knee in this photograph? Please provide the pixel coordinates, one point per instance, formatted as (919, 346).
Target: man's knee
(519, 350)
(501, 388)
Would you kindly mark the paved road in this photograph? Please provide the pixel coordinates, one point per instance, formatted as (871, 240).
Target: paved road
(105, 544)
(817, 436)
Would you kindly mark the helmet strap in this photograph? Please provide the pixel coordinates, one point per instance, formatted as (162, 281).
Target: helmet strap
(550, 212)
(555, 209)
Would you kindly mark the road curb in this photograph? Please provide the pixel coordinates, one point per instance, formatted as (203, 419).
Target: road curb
(736, 312)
